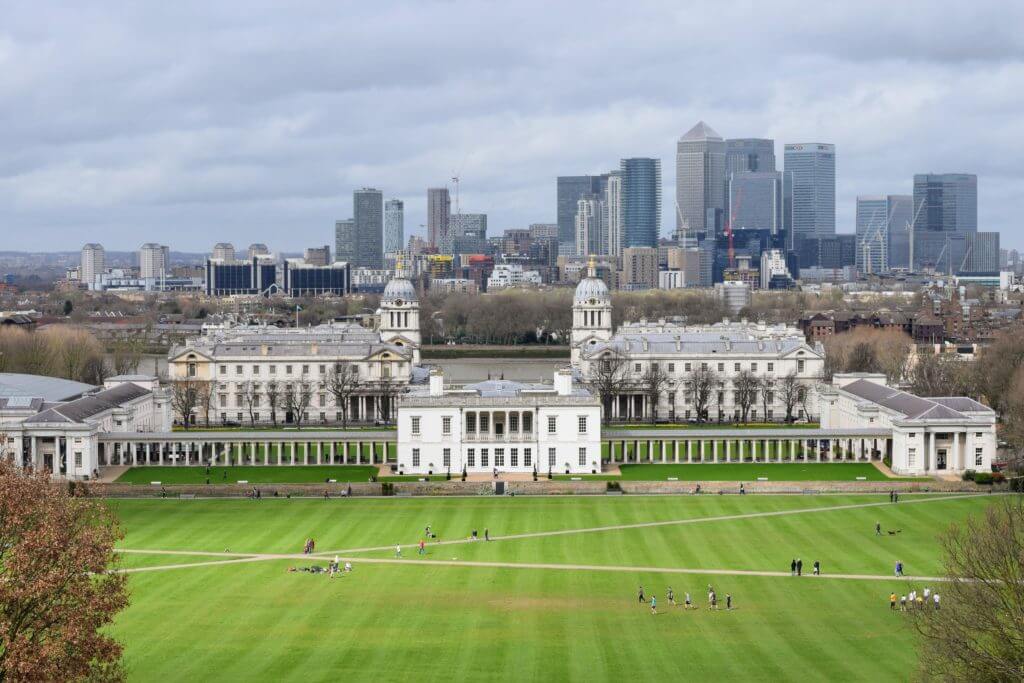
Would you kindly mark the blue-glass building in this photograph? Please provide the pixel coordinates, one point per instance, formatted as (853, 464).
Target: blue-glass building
(641, 201)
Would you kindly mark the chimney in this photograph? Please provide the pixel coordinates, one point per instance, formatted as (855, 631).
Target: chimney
(563, 382)
(436, 382)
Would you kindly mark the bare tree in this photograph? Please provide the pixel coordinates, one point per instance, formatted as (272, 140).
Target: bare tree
(185, 397)
(607, 376)
(251, 398)
(745, 387)
(699, 385)
(342, 383)
(766, 387)
(387, 391)
(789, 393)
(297, 398)
(207, 396)
(978, 635)
(654, 381)
(273, 391)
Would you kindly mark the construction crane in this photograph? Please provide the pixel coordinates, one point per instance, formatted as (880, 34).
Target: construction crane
(869, 237)
(910, 233)
(455, 179)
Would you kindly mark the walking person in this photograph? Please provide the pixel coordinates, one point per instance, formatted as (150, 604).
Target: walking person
(792, 567)
(892, 602)
(714, 601)
(487, 534)
(878, 528)
(899, 568)
(398, 550)
(640, 595)
(799, 567)
(671, 597)
(423, 547)
(689, 603)
(728, 601)
(817, 568)
(935, 599)
(654, 605)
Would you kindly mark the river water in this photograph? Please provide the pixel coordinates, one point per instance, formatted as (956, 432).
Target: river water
(456, 371)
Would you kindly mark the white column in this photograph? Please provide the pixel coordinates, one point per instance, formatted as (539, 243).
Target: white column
(334, 450)
(675, 450)
(689, 451)
(714, 450)
(728, 450)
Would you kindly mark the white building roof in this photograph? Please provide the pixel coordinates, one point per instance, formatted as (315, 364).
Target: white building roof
(915, 407)
(39, 386)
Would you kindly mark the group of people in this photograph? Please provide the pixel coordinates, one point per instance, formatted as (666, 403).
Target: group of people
(914, 600)
(670, 597)
(796, 567)
(308, 547)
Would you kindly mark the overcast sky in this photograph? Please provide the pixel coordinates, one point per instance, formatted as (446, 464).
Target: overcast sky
(190, 123)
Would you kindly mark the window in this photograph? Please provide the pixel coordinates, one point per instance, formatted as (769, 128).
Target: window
(771, 367)
(552, 424)
(255, 369)
(527, 423)
(446, 425)
(499, 457)
(191, 369)
(273, 369)
(582, 420)
(703, 366)
(527, 460)
(721, 367)
(551, 457)
(305, 369)
(470, 423)
(323, 400)
(238, 401)
(978, 456)
(223, 369)
(513, 457)
(583, 457)
(337, 416)
(977, 435)
(671, 367)
(484, 423)
(471, 457)
(636, 367)
(911, 457)
(323, 417)
(687, 367)
(913, 434)
(753, 367)
(415, 457)
(799, 366)
(483, 457)
(446, 458)
(78, 458)
(287, 369)
(513, 422)
(416, 425)
(736, 367)
(323, 369)
(238, 416)
(238, 369)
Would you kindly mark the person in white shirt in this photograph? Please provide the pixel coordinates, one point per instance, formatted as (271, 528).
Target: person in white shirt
(935, 598)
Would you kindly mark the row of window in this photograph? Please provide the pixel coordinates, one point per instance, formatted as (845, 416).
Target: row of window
(289, 369)
(446, 423)
(499, 457)
(737, 367)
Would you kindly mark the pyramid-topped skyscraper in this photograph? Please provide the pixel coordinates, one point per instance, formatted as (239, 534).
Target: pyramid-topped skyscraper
(700, 180)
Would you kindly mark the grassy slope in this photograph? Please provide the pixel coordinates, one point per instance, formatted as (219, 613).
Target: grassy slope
(783, 471)
(284, 474)
(257, 622)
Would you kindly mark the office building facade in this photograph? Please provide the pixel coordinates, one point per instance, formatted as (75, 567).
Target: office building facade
(368, 214)
(591, 226)
(394, 226)
(755, 200)
(467, 234)
(809, 190)
(640, 202)
(570, 189)
(943, 203)
(345, 240)
(700, 179)
(227, 278)
(307, 279)
(749, 155)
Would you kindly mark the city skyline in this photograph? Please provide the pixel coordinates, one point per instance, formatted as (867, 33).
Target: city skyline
(249, 158)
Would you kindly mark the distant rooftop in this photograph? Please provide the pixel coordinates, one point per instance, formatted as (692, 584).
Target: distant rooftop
(39, 386)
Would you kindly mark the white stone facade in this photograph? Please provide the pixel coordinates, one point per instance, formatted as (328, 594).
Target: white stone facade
(500, 426)
(930, 436)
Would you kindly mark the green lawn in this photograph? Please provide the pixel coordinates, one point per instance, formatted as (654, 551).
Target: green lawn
(777, 471)
(256, 621)
(257, 474)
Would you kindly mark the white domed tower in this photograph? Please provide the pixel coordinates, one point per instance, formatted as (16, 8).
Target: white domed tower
(591, 312)
(400, 314)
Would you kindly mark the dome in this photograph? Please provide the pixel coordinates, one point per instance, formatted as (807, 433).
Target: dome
(399, 289)
(592, 289)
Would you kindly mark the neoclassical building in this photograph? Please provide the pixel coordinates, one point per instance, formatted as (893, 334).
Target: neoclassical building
(930, 436)
(246, 361)
(499, 425)
(726, 349)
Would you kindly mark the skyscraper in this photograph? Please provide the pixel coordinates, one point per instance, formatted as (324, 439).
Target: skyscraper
(94, 262)
(613, 206)
(256, 249)
(749, 155)
(809, 191)
(945, 204)
(439, 211)
(641, 201)
(345, 241)
(882, 239)
(700, 179)
(154, 260)
(394, 225)
(570, 189)
(467, 234)
(755, 200)
(591, 226)
(368, 214)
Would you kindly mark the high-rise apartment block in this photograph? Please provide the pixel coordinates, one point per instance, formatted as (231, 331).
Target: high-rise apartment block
(394, 226)
(809, 191)
(345, 241)
(639, 268)
(439, 211)
(944, 204)
(317, 256)
(94, 262)
(569, 192)
(368, 214)
(224, 251)
(154, 261)
(700, 180)
(640, 202)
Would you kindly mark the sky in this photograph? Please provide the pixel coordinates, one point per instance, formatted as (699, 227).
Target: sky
(190, 123)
